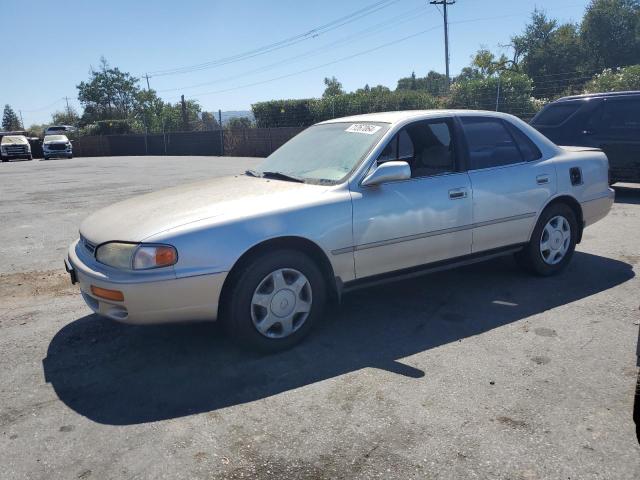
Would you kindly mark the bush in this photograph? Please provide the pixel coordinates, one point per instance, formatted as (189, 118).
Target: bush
(302, 113)
(110, 127)
(620, 80)
(482, 94)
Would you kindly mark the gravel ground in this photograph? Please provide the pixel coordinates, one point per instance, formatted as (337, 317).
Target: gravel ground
(480, 372)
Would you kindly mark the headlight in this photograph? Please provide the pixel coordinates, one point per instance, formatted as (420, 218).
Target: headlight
(117, 255)
(136, 256)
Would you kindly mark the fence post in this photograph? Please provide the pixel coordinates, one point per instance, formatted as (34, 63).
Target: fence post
(221, 133)
(498, 93)
(164, 137)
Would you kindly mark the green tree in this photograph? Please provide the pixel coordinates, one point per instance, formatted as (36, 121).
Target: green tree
(209, 121)
(626, 78)
(610, 32)
(434, 83)
(10, 119)
(68, 116)
(238, 123)
(332, 87)
(550, 54)
(109, 94)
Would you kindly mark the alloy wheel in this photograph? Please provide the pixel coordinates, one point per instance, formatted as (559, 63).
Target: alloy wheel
(555, 240)
(281, 303)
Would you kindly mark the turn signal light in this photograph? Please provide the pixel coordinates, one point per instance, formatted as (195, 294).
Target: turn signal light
(115, 295)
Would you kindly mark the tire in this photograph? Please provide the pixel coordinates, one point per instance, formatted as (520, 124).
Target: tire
(560, 244)
(69, 157)
(5, 160)
(253, 301)
(30, 157)
(46, 158)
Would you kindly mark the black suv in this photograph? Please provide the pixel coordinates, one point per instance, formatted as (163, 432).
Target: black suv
(610, 121)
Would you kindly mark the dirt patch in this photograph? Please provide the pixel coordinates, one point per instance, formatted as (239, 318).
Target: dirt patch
(510, 422)
(30, 284)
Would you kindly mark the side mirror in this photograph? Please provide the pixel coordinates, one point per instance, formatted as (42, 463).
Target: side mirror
(388, 172)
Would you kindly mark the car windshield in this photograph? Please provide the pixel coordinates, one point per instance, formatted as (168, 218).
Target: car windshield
(324, 153)
(56, 138)
(15, 139)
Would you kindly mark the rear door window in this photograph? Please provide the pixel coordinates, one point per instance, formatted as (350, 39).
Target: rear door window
(556, 113)
(528, 149)
(489, 143)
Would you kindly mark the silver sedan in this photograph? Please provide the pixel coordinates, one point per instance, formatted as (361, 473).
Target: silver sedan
(346, 203)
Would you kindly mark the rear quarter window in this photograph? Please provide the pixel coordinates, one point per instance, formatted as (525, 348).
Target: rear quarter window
(556, 113)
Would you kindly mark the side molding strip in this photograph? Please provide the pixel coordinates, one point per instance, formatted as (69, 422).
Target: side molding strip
(433, 233)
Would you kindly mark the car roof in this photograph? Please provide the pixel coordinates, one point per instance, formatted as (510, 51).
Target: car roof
(400, 116)
(588, 96)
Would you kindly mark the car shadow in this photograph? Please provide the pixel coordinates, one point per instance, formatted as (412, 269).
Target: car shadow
(627, 194)
(121, 374)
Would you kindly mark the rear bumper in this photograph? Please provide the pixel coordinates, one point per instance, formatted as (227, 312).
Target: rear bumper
(146, 301)
(597, 209)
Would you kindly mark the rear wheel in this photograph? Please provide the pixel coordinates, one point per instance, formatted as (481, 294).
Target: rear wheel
(275, 301)
(552, 243)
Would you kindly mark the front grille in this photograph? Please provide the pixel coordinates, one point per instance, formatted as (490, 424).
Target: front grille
(16, 149)
(90, 247)
(57, 146)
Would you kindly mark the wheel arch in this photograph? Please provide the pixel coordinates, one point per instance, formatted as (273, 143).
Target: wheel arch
(300, 244)
(572, 203)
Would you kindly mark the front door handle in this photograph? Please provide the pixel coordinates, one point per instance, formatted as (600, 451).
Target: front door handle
(457, 193)
(542, 179)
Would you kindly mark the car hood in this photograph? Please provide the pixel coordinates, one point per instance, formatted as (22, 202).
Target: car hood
(141, 217)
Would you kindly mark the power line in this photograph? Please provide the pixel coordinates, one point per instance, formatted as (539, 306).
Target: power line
(373, 30)
(299, 72)
(313, 33)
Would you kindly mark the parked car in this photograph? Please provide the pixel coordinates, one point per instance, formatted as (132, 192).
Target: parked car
(56, 146)
(59, 130)
(15, 146)
(609, 121)
(346, 203)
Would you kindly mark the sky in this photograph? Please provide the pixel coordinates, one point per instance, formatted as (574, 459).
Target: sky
(57, 43)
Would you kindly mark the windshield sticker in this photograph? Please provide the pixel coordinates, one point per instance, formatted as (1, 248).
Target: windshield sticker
(363, 128)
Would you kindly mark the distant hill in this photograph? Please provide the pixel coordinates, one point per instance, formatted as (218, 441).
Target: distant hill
(226, 116)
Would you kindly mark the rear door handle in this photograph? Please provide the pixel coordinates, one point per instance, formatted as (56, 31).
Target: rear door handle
(542, 179)
(456, 193)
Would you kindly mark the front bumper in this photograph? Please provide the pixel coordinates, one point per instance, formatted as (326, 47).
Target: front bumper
(56, 153)
(149, 297)
(9, 156)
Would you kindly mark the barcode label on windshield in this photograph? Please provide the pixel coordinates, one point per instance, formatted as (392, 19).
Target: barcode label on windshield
(363, 128)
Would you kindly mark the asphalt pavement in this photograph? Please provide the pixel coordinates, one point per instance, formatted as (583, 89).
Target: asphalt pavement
(479, 372)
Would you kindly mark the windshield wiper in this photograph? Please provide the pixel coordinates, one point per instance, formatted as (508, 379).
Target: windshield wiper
(252, 173)
(282, 176)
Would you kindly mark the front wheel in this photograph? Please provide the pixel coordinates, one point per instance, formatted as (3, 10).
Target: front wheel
(275, 300)
(69, 157)
(552, 243)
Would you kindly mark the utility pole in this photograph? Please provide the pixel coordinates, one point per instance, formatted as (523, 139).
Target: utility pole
(67, 100)
(444, 4)
(184, 113)
(21, 122)
(146, 75)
